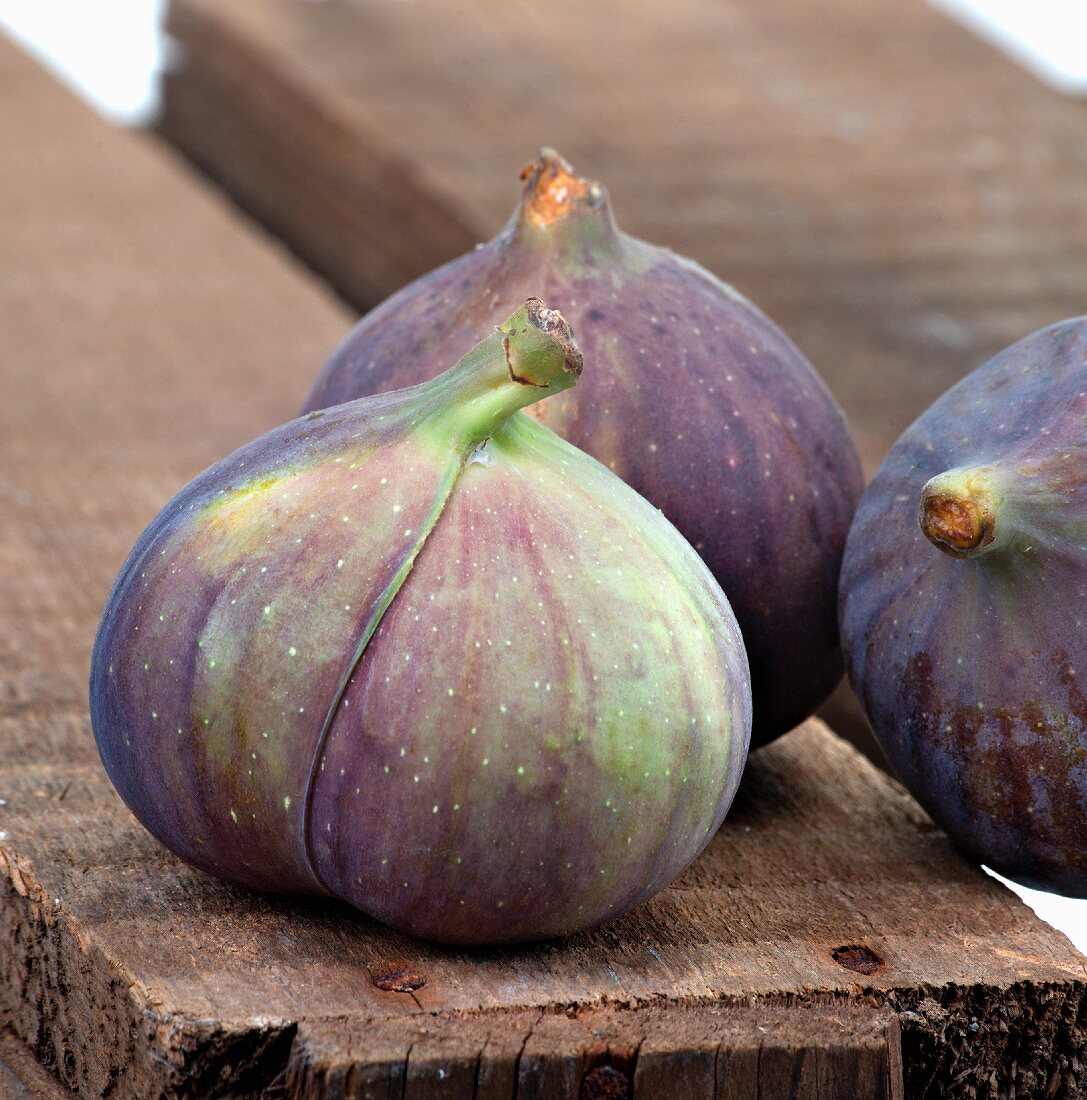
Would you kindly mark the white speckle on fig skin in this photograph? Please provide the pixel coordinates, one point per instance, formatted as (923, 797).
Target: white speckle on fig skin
(362, 710)
(373, 678)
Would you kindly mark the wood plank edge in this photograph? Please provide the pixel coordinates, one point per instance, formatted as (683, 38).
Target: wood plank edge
(22, 1076)
(91, 1023)
(287, 156)
(829, 1051)
(951, 1041)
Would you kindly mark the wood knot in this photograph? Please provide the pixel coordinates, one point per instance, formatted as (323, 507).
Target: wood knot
(397, 978)
(858, 958)
(605, 1083)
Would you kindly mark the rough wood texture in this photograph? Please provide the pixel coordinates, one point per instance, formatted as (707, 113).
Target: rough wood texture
(896, 193)
(683, 1054)
(146, 331)
(21, 1075)
(674, 1052)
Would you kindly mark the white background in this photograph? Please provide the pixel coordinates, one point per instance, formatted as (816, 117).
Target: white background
(112, 50)
(109, 50)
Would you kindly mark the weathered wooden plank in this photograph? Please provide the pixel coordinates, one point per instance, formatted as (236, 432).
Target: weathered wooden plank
(805, 1052)
(894, 191)
(21, 1075)
(145, 331)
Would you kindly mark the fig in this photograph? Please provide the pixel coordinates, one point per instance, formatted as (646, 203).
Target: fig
(695, 398)
(420, 653)
(964, 632)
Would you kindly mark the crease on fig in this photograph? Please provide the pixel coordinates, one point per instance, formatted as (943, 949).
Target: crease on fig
(695, 398)
(419, 652)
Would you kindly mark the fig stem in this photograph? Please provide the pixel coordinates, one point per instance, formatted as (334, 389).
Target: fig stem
(959, 512)
(561, 211)
(553, 191)
(530, 356)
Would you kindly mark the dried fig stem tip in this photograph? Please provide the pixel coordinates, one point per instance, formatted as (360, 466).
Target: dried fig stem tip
(563, 215)
(959, 512)
(537, 341)
(530, 356)
(552, 190)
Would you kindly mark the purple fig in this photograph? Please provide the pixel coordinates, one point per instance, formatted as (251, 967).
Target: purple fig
(964, 633)
(420, 653)
(695, 398)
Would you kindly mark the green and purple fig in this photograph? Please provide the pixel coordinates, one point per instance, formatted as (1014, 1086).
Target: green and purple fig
(695, 398)
(420, 653)
(965, 633)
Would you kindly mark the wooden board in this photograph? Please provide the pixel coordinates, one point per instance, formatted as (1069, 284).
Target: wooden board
(673, 1052)
(896, 193)
(21, 1075)
(828, 931)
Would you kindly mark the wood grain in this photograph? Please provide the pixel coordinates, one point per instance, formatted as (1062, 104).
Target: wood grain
(893, 191)
(22, 1076)
(674, 1052)
(145, 330)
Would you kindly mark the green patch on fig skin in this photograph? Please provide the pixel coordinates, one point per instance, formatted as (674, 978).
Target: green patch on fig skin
(632, 754)
(580, 694)
(269, 576)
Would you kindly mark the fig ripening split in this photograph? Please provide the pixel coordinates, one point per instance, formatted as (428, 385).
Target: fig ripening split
(695, 398)
(966, 632)
(420, 653)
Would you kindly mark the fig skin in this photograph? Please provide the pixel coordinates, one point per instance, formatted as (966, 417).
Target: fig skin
(422, 654)
(963, 625)
(695, 398)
